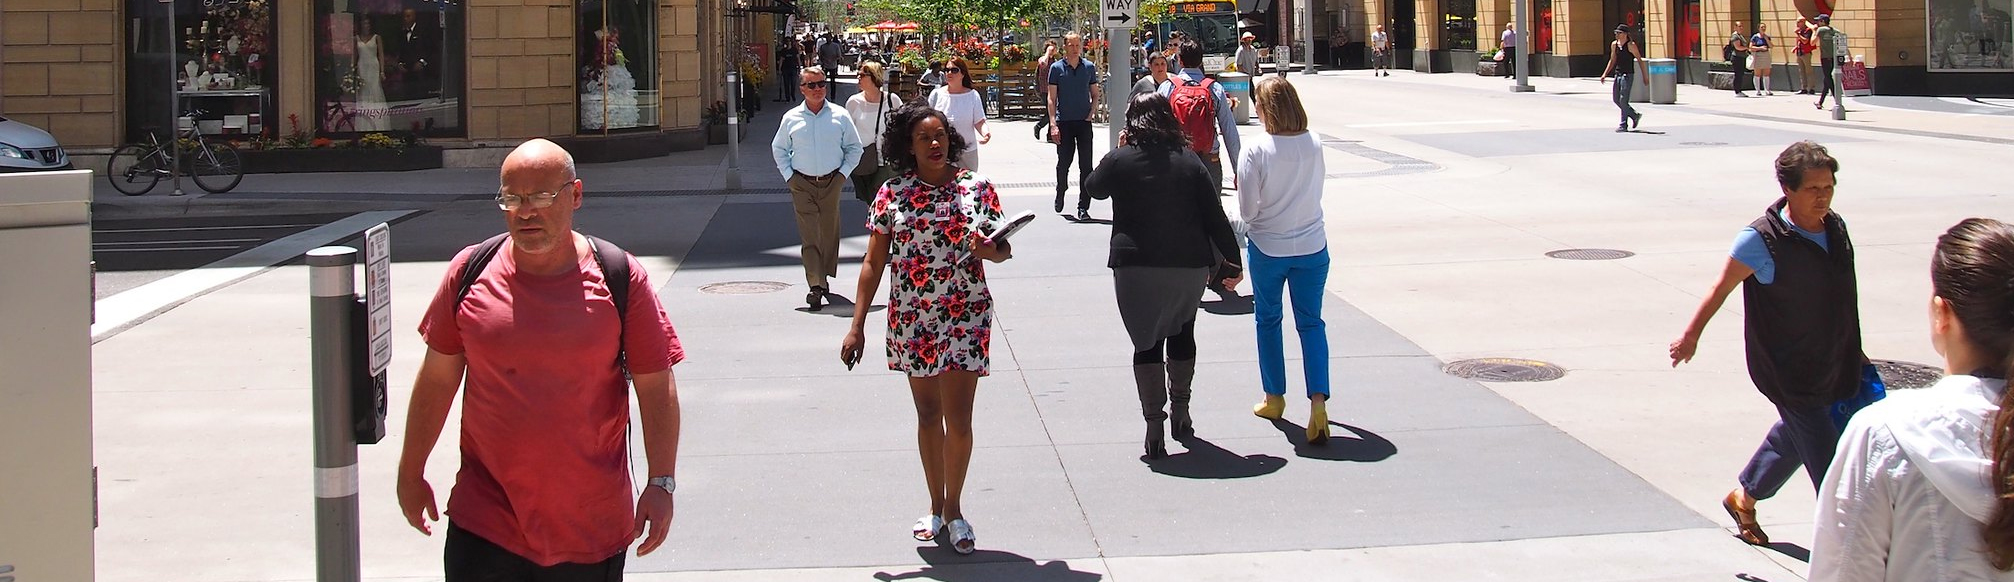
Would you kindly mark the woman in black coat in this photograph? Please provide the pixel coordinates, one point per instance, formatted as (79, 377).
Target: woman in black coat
(1165, 220)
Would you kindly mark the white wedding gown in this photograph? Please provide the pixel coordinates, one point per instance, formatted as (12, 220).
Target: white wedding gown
(371, 113)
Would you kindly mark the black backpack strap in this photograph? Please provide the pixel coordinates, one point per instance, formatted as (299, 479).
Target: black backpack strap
(478, 260)
(614, 263)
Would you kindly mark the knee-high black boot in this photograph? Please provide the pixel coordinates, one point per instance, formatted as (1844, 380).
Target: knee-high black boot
(1180, 374)
(1152, 382)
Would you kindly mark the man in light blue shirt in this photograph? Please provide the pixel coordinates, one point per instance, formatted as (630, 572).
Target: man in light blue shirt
(815, 148)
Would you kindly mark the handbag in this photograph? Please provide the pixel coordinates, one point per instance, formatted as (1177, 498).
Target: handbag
(871, 152)
(1872, 390)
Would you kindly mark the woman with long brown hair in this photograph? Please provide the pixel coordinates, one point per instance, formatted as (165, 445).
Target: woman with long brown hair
(1922, 487)
(963, 108)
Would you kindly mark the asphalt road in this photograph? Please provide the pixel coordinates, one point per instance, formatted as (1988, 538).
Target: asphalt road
(133, 252)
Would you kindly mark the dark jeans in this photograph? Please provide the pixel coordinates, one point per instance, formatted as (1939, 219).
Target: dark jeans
(1076, 137)
(1804, 437)
(1740, 72)
(1825, 78)
(1042, 121)
(1623, 85)
(786, 85)
(1509, 64)
(473, 559)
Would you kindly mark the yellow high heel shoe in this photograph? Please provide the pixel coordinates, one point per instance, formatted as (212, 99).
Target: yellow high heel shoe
(1318, 421)
(1273, 408)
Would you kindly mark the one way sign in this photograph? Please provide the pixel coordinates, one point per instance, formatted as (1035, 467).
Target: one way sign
(1120, 13)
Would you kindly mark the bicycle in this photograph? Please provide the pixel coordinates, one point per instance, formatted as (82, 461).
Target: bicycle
(135, 168)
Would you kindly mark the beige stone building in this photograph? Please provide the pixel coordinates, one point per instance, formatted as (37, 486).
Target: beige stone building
(612, 78)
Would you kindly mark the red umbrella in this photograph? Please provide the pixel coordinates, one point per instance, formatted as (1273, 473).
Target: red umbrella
(883, 25)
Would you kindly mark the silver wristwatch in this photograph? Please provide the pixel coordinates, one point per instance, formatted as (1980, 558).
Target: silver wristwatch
(665, 482)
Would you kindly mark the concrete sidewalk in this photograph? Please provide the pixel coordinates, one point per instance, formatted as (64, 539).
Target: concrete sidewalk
(794, 468)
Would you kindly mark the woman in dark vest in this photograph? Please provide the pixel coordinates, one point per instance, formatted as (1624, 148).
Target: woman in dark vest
(1165, 221)
(1802, 325)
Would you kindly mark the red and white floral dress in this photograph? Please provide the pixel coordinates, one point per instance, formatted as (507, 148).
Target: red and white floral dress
(940, 315)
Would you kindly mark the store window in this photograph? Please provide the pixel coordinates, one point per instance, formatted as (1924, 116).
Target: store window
(1624, 13)
(1971, 35)
(1458, 24)
(1689, 30)
(389, 65)
(618, 65)
(220, 61)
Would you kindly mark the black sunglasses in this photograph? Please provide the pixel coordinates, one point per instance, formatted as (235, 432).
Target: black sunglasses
(953, 70)
(813, 85)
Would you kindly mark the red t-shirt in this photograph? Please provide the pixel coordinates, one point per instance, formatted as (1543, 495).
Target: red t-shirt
(545, 410)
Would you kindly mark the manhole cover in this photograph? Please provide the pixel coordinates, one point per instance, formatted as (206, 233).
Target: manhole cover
(1504, 370)
(1907, 375)
(1590, 254)
(1702, 143)
(744, 287)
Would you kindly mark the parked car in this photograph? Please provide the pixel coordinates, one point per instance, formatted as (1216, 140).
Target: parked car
(26, 148)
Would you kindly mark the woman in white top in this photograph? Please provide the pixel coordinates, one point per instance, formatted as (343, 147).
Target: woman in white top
(1922, 487)
(1280, 197)
(869, 109)
(964, 108)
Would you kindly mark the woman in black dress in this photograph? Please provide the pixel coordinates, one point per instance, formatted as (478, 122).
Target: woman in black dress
(1165, 219)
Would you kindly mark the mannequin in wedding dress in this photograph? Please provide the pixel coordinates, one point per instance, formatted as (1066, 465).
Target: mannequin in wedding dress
(371, 113)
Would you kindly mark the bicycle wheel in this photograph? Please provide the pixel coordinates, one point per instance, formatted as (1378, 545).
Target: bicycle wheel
(217, 168)
(133, 169)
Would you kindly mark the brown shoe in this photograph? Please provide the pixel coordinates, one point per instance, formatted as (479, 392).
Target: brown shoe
(1750, 531)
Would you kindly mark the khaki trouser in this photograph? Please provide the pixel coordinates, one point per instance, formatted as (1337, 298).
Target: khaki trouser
(817, 203)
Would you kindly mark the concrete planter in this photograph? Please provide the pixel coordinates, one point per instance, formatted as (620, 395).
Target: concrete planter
(352, 159)
(716, 133)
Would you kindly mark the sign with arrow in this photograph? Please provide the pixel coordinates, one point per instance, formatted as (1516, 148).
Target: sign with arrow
(1120, 14)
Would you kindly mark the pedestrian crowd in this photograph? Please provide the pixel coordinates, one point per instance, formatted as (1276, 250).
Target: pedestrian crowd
(545, 327)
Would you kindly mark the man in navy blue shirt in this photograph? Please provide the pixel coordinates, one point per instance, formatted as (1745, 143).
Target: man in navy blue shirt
(1073, 93)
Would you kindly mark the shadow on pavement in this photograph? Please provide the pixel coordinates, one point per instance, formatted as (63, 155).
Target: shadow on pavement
(838, 306)
(1206, 460)
(987, 566)
(1366, 447)
(1794, 551)
(1225, 306)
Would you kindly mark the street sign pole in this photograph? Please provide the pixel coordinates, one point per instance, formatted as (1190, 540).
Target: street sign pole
(1118, 17)
(1522, 56)
(332, 285)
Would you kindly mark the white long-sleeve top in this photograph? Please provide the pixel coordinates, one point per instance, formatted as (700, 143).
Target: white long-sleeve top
(1280, 194)
(1909, 490)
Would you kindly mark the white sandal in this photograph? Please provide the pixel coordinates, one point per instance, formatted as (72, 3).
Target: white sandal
(962, 540)
(926, 528)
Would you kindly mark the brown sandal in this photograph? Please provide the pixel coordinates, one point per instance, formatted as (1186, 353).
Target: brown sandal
(1750, 531)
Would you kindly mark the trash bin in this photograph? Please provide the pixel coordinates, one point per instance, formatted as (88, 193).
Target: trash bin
(1663, 80)
(1239, 87)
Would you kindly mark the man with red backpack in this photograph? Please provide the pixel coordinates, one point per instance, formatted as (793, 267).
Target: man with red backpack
(1204, 110)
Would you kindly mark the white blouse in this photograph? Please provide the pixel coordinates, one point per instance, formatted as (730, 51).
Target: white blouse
(964, 110)
(869, 118)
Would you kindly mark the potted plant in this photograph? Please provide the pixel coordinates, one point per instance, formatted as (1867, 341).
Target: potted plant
(300, 151)
(715, 120)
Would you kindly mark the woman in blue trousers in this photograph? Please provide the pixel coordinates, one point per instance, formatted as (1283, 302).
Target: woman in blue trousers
(1280, 198)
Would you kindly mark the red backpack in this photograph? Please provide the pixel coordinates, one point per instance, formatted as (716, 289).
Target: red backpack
(1197, 111)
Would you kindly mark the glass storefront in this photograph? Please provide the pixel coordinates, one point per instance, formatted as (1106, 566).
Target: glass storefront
(1971, 35)
(1541, 34)
(1689, 29)
(617, 64)
(390, 65)
(218, 58)
(1458, 24)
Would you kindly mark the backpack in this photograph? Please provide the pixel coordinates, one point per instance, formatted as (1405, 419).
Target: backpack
(614, 263)
(1196, 108)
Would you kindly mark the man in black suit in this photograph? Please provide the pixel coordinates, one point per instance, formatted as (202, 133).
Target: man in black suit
(419, 56)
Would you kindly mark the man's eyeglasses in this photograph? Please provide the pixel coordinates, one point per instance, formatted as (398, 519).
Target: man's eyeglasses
(813, 85)
(511, 202)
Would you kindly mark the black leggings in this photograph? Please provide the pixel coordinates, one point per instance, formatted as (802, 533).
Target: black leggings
(1181, 346)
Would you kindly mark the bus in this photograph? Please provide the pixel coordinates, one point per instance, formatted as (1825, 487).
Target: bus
(1212, 23)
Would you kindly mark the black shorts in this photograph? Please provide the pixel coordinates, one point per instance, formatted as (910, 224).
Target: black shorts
(470, 558)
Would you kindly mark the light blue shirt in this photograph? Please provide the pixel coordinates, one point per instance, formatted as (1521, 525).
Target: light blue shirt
(1226, 127)
(1749, 249)
(816, 144)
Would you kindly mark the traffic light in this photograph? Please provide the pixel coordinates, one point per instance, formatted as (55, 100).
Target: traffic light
(849, 9)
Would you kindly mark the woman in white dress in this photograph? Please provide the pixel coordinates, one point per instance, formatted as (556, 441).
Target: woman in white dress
(964, 108)
(371, 113)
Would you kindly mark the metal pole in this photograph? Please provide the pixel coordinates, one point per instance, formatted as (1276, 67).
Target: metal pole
(1838, 81)
(174, 104)
(1308, 35)
(1118, 81)
(332, 288)
(734, 126)
(1522, 12)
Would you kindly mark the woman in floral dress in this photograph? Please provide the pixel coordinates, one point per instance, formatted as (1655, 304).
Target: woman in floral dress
(925, 226)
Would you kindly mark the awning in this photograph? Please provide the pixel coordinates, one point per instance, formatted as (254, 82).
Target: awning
(1251, 6)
